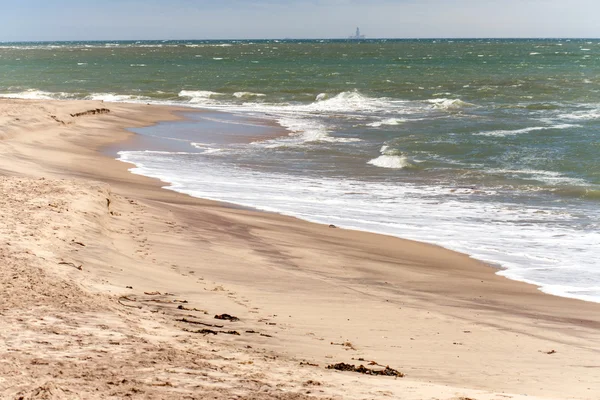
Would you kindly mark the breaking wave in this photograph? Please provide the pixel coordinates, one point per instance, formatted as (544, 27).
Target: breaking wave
(450, 104)
(247, 95)
(391, 158)
(34, 94)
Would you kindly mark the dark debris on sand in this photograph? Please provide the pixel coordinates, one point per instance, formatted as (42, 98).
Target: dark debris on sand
(387, 371)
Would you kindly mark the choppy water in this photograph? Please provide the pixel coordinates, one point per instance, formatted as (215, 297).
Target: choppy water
(490, 147)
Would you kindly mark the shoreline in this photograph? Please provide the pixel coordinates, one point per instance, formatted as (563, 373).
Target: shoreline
(116, 149)
(394, 300)
(169, 185)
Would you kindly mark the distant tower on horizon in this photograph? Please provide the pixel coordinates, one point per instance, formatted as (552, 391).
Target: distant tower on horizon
(357, 35)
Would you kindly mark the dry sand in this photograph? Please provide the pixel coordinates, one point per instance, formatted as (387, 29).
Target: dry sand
(99, 268)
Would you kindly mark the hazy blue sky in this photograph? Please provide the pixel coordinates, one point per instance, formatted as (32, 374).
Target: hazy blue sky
(229, 19)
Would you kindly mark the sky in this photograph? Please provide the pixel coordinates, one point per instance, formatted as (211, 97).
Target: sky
(41, 20)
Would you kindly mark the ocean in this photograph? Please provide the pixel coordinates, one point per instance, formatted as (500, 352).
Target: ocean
(487, 147)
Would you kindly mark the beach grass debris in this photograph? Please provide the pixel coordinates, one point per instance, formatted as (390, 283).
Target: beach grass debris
(120, 301)
(182, 307)
(227, 317)
(91, 112)
(54, 117)
(361, 369)
(347, 345)
(309, 364)
(258, 333)
(160, 301)
(188, 321)
(203, 331)
(213, 332)
(312, 383)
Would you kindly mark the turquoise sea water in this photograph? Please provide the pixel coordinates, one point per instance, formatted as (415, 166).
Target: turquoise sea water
(489, 147)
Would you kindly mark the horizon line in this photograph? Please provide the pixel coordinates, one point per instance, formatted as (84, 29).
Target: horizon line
(304, 38)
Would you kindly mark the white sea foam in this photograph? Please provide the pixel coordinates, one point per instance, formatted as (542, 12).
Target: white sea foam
(351, 101)
(503, 133)
(167, 152)
(387, 122)
(305, 130)
(247, 95)
(137, 65)
(306, 122)
(352, 104)
(588, 114)
(200, 97)
(33, 94)
(394, 162)
(207, 148)
(530, 242)
(450, 104)
(551, 177)
(116, 98)
(203, 94)
(391, 158)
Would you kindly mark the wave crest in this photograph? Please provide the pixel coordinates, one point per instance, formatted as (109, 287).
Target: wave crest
(351, 101)
(393, 162)
(391, 158)
(34, 94)
(199, 96)
(247, 95)
(450, 104)
(309, 131)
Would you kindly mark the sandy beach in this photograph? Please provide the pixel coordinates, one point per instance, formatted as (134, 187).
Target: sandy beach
(111, 284)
